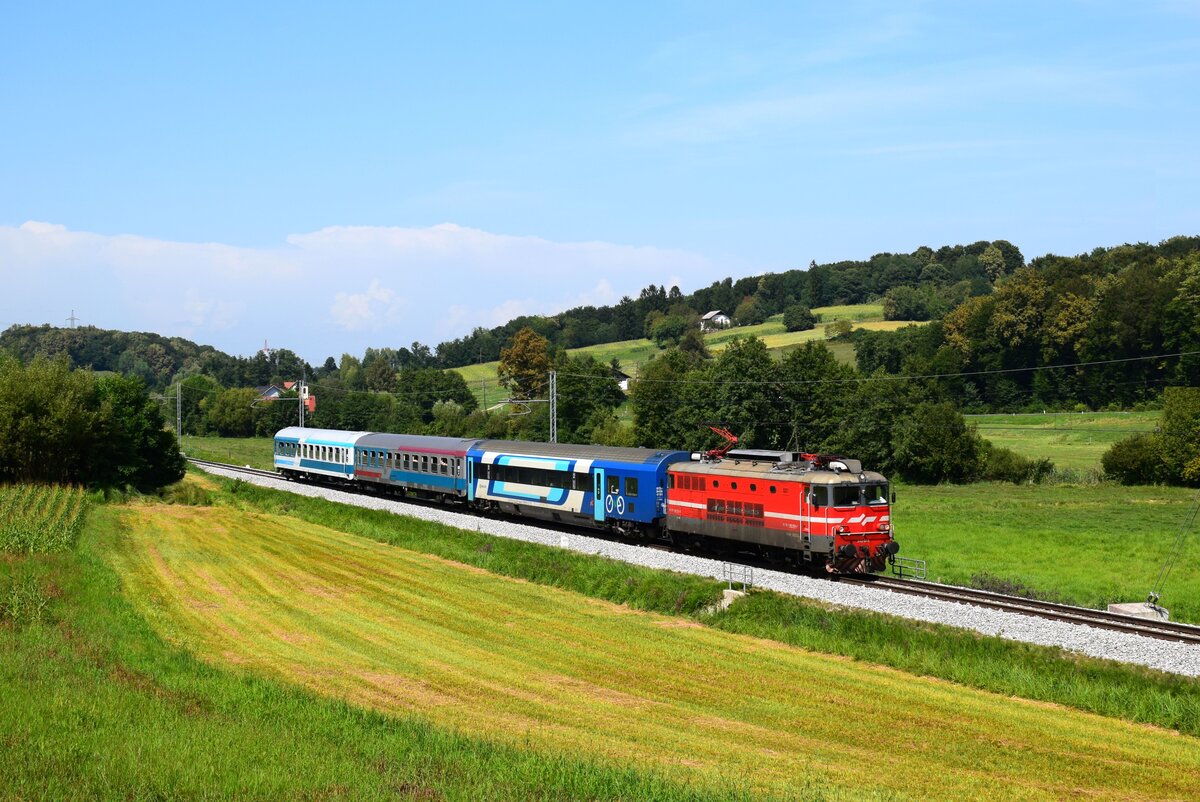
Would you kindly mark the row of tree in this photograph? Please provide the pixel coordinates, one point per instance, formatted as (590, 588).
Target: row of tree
(59, 424)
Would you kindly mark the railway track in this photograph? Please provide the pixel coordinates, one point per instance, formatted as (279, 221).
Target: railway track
(1162, 630)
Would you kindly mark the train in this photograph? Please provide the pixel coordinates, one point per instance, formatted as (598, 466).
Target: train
(812, 510)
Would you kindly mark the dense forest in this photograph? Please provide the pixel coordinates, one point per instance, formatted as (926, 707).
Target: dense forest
(1109, 317)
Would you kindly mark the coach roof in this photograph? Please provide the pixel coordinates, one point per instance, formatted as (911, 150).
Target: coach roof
(572, 451)
(415, 442)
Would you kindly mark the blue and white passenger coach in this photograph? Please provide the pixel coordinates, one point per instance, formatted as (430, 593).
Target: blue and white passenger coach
(320, 452)
(620, 488)
(424, 465)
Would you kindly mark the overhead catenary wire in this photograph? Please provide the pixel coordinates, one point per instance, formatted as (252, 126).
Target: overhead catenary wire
(1189, 522)
(910, 377)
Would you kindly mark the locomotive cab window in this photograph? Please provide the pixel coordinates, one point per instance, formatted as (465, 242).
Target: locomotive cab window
(819, 496)
(875, 494)
(846, 495)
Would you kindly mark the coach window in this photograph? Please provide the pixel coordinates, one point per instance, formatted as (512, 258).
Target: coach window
(631, 486)
(614, 485)
(670, 481)
(445, 462)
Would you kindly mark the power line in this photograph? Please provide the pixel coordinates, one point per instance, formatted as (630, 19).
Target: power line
(892, 378)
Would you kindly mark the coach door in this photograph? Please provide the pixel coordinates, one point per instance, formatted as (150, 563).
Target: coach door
(598, 495)
(470, 478)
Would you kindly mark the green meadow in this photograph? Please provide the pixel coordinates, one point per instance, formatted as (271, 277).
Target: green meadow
(1072, 440)
(214, 648)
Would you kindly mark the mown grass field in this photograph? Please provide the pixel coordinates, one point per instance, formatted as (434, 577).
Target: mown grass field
(552, 672)
(97, 706)
(634, 353)
(1074, 440)
(108, 709)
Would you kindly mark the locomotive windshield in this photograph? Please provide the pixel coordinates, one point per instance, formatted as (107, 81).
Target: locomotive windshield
(846, 495)
(849, 495)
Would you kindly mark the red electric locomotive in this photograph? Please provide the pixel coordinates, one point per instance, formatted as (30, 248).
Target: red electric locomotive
(808, 508)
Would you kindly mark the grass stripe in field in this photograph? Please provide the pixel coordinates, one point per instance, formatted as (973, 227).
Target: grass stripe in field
(527, 664)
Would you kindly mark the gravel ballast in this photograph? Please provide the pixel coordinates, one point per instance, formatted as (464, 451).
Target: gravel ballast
(1176, 658)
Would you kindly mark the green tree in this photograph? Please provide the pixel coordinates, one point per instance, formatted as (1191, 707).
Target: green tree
(993, 263)
(661, 400)
(1180, 438)
(933, 443)
(231, 412)
(692, 343)
(63, 425)
(380, 376)
(525, 364)
(194, 390)
(137, 450)
(49, 419)
(749, 312)
(587, 393)
(669, 330)
(798, 317)
(839, 329)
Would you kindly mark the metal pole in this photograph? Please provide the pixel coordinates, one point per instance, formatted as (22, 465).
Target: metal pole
(553, 406)
(300, 392)
(179, 414)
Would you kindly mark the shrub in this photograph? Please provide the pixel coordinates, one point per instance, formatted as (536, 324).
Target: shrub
(1135, 460)
(934, 444)
(798, 317)
(1006, 465)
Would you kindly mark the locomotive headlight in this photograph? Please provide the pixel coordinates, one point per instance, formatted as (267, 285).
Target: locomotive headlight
(885, 527)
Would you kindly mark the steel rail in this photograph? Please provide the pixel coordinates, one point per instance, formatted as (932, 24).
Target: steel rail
(1151, 628)
(1086, 616)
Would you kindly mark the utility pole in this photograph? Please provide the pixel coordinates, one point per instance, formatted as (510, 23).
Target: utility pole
(303, 396)
(554, 406)
(179, 414)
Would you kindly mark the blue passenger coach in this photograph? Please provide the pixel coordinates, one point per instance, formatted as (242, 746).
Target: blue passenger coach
(321, 452)
(622, 488)
(413, 463)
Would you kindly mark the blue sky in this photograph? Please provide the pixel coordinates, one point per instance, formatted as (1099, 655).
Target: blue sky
(373, 174)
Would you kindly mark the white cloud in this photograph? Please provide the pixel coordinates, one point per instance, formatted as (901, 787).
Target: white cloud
(366, 310)
(338, 289)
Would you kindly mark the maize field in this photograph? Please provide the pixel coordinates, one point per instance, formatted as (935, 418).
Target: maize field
(39, 518)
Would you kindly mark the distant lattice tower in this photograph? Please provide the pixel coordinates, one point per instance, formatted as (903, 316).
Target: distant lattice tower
(266, 349)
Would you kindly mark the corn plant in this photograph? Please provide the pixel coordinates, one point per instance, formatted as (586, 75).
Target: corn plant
(40, 517)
